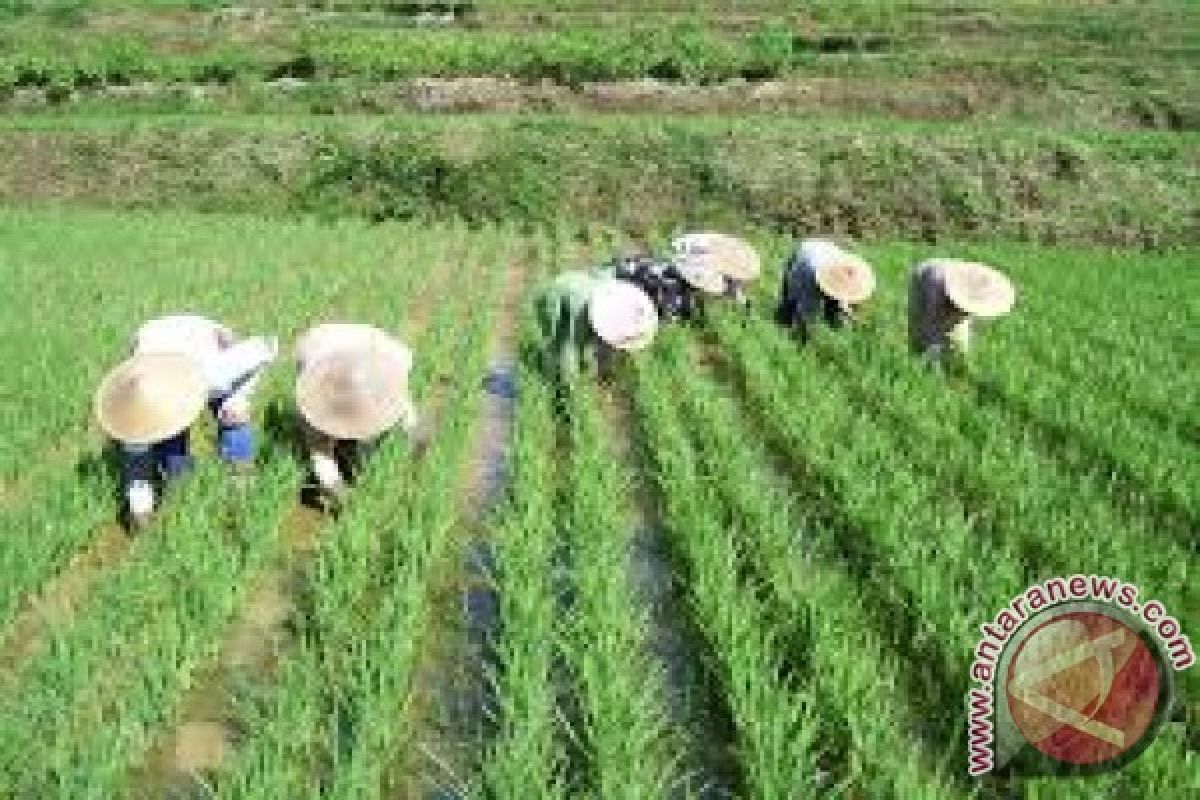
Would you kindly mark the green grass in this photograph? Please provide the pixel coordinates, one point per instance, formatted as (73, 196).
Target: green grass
(873, 179)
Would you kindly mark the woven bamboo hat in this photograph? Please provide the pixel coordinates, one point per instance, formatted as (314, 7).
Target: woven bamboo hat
(356, 391)
(977, 289)
(728, 255)
(846, 278)
(622, 315)
(701, 277)
(150, 397)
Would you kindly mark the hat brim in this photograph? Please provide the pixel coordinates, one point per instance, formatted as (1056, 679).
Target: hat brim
(622, 315)
(709, 281)
(977, 289)
(330, 411)
(726, 254)
(849, 280)
(126, 413)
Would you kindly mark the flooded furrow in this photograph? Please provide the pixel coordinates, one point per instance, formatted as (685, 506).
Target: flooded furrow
(694, 701)
(253, 647)
(455, 694)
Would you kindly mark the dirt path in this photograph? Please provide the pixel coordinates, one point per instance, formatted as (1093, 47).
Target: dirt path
(455, 700)
(55, 605)
(949, 97)
(252, 647)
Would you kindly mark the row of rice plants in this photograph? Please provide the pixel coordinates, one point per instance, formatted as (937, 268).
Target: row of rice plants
(383, 695)
(403, 289)
(527, 754)
(90, 702)
(776, 720)
(184, 660)
(819, 611)
(1015, 492)
(1043, 363)
(629, 748)
(881, 498)
(192, 269)
(72, 493)
(332, 715)
(187, 639)
(1119, 319)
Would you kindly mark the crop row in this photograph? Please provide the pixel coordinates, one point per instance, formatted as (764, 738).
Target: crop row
(337, 713)
(688, 53)
(212, 581)
(910, 513)
(773, 715)
(69, 494)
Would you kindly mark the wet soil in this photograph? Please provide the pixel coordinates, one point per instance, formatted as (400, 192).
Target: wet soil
(251, 649)
(55, 605)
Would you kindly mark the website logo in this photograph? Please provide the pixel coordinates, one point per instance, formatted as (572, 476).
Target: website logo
(1074, 676)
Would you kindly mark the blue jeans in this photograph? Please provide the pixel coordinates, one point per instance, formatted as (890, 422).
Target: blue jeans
(171, 458)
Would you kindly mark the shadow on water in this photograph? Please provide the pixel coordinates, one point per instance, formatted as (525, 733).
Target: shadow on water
(696, 700)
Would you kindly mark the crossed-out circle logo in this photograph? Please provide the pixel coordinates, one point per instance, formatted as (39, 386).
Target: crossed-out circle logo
(1071, 687)
(1085, 687)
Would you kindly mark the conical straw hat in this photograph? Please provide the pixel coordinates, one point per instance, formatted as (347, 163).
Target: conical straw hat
(726, 254)
(701, 277)
(977, 289)
(846, 278)
(354, 392)
(622, 314)
(150, 397)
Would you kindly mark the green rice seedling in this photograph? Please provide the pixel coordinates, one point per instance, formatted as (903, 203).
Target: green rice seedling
(631, 750)
(888, 502)
(775, 721)
(124, 658)
(526, 753)
(368, 599)
(822, 619)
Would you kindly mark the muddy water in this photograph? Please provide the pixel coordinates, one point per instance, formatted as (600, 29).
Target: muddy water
(461, 698)
(693, 705)
(55, 605)
(460, 701)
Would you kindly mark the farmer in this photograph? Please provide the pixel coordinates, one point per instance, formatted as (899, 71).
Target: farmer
(677, 288)
(944, 294)
(582, 317)
(734, 259)
(823, 282)
(147, 404)
(351, 388)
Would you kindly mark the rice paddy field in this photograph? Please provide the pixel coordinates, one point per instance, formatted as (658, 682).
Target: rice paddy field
(736, 566)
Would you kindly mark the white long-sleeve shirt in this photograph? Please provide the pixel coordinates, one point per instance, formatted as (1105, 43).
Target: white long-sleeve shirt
(231, 368)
